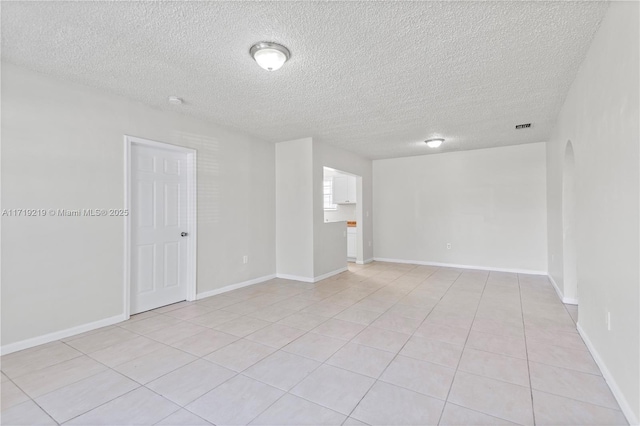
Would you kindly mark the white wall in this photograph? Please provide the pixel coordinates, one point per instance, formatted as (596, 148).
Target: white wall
(330, 245)
(62, 147)
(600, 118)
(294, 208)
(489, 204)
(307, 247)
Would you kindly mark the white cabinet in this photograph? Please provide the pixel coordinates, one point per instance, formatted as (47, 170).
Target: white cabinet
(340, 190)
(352, 248)
(344, 190)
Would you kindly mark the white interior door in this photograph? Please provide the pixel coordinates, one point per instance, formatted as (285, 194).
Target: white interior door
(159, 229)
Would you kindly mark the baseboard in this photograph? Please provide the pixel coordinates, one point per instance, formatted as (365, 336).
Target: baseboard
(62, 334)
(555, 286)
(565, 300)
(314, 279)
(295, 278)
(453, 265)
(617, 393)
(58, 335)
(234, 286)
(365, 262)
(330, 274)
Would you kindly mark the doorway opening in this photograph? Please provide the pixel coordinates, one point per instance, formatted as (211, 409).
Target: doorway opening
(343, 203)
(569, 255)
(160, 225)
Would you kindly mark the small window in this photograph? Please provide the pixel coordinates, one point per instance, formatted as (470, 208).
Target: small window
(328, 194)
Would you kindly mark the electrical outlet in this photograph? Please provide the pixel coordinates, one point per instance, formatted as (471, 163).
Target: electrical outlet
(245, 259)
(448, 246)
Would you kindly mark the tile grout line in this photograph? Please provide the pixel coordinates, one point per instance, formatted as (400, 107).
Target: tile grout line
(580, 401)
(104, 403)
(140, 385)
(179, 409)
(340, 368)
(78, 381)
(543, 363)
(183, 321)
(201, 357)
(30, 399)
(484, 286)
(526, 350)
(306, 332)
(394, 357)
(412, 334)
(494, 353)
(236, 373)
(288, 392)
(207, 328)
(376, 379)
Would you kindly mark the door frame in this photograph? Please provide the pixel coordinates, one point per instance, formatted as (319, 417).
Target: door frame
(191, 219)
(569, 246)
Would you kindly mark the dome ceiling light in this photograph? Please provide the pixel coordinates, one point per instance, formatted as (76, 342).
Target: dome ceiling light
(270, 56)
(434, 143)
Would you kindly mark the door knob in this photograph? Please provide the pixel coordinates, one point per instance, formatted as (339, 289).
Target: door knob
(183, 234)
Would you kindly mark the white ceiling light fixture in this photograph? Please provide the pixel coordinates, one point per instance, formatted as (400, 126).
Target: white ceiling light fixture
(270, 56)
(434, 143)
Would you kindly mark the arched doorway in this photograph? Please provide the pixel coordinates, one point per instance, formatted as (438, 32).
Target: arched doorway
(570, 273)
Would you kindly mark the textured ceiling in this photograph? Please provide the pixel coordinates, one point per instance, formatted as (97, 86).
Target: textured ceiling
(375, 78)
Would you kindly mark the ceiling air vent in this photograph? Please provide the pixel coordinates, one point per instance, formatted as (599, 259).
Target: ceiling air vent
(523, 126)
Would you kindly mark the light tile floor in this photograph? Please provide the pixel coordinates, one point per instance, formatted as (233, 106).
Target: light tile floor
(380, 344)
